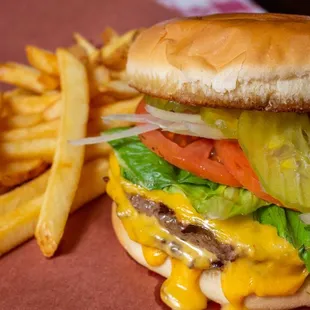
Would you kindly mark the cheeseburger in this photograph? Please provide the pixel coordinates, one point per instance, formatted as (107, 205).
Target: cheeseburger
(211, 186)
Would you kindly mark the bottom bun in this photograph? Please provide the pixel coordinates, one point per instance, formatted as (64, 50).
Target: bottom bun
(210, 281)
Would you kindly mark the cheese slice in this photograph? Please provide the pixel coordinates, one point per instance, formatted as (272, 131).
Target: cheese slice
(267, 265)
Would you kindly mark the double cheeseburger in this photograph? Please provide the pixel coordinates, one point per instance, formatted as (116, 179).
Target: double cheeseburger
(211, 187)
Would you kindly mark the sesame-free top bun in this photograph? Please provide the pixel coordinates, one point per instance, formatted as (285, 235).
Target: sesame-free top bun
(247, 61)
(210, 281)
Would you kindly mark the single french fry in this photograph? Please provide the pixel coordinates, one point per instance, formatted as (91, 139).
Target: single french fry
(31, 104)
(100, 76)
(27, 77)
(68, 159)
(52, 112)
(42, 60)
(114, 54)
(24, 193)
(42, 130)
(44, 149)
(19, 225)
(102, 99)
(16, 173)
(95, 151)
(80, 53)
(92, 52)
(108, 35)
(120, 107)
(118, 75)
(119, 89)
(28, 149)
(20, 121)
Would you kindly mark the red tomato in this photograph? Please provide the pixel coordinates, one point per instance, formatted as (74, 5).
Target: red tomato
(191, 156)
(233, 158)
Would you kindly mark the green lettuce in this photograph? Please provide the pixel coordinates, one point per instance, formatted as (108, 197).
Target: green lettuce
(289, 226)
(142, 167)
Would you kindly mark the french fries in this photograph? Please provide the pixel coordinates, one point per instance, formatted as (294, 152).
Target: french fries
(42, 60)
(31, 104)
(126, 106)
(19, 224)
(68, 160)
(20, 121)
(15, 173)
(28, 149)
(22, 194)
(114, 53)
(27, 78)
(59, 96)
(91, 51)
(42, 130)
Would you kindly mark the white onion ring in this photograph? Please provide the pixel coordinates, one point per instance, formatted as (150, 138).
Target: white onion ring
(174, 116)
(106, 137)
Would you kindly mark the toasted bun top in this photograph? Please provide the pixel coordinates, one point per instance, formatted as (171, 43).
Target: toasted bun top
(248, 61)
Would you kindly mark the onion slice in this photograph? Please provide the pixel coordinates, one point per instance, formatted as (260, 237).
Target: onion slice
(305, 217)
(137, 118)
(174, 116)
(205, 131)
(106, 137)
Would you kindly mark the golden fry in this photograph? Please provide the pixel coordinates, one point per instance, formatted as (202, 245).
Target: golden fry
(20, 121)
(80, 53)
(114, 54)
(52, 112)
(90, 49)
(118, 75)
(68, 159)
(120, 107)
(19, 225)
(15, 173)
(28, 149)
(42, 130)
(24, 193)
(27, 77)
(102, 99)
(108, 35)
(30, 104)
(101, 76)
(119, 89)
(95, 151)
(42, 60)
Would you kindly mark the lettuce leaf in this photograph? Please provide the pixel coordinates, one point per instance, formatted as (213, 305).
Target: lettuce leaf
(142, 167)
(289, 226)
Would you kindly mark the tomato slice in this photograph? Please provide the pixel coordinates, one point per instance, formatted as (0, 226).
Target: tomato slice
(233, 158)
(193, 156)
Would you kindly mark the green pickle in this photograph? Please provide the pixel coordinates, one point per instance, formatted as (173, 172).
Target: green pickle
(170, 105)
(226, 120)
(278, 148)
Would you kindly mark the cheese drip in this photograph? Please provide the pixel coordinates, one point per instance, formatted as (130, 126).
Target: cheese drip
(181, 290)
(154, 257)
(268, 265)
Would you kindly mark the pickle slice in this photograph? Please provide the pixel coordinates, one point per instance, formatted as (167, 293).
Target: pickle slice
(226, 120)
(278, 148)
(170, 105)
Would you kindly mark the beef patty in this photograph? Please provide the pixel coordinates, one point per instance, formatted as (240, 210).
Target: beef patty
(196, 235)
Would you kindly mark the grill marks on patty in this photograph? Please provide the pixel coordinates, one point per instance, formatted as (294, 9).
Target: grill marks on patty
(195, 235)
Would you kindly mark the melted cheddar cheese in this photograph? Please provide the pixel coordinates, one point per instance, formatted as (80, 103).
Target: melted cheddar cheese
(181, 290)
(154, 257)
(267, 265)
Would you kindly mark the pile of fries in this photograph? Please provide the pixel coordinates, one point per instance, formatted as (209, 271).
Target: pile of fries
(61, 96)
